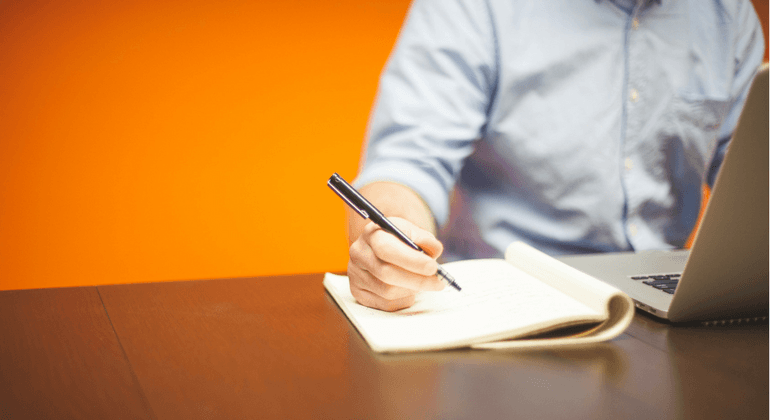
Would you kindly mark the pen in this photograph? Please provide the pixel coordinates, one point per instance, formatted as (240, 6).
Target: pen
(366, 210)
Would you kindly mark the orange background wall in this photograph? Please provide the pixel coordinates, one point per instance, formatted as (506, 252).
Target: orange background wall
(167, 140)
(164, 140)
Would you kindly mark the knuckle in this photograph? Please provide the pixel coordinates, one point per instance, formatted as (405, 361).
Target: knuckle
(378, 270)
(356, 257)
(378, 241)
(361, 255)
(356, 249)
(354, 273)
(362, 298)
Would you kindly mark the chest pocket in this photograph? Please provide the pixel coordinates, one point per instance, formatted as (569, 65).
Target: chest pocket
(692, 127)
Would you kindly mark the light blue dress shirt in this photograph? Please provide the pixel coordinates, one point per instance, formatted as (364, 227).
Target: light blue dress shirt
(574, 125)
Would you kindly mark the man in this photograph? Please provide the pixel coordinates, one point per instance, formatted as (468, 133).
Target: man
(573, 125)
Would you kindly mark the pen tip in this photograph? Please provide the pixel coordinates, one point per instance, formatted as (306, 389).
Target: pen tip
(449, 279)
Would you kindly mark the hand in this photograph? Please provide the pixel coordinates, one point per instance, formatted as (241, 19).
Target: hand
(385, 273)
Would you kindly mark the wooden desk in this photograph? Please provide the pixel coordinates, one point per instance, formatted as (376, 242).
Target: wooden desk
(278, 347)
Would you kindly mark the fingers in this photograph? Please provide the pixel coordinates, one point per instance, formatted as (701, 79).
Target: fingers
(390, 249)
(377, 294)
(385, 273)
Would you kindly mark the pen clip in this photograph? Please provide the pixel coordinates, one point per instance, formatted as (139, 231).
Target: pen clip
(345, 198)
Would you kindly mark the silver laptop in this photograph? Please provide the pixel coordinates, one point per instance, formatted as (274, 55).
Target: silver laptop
(724, 276)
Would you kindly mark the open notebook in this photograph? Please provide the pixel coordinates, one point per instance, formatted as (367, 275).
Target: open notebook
(526, 300)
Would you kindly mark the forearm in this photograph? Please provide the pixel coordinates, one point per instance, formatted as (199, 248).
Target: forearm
(393, 200)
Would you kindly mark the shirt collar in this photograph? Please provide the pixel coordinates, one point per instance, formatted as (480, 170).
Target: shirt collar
(629, 5)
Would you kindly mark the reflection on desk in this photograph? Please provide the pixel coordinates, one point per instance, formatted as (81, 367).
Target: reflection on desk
(278, 347)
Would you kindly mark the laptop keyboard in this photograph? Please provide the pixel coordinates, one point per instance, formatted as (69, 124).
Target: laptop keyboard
(664, 282)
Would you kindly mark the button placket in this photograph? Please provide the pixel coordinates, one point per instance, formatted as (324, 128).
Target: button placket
(634, 121)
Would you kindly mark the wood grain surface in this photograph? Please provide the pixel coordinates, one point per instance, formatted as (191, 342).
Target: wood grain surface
(242, 348)
(279, 347)
(60, 359)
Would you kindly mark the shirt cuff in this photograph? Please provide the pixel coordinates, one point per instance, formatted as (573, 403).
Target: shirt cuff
(425, 185)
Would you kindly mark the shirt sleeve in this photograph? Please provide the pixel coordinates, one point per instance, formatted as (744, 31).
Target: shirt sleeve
(749, 47)
(433, 100)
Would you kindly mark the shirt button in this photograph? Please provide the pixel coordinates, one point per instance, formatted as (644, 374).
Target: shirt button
(632, 230)
(635, 23)
(634, 95)
(629, 164)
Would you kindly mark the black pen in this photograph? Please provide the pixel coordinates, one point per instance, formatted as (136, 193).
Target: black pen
(363, 207)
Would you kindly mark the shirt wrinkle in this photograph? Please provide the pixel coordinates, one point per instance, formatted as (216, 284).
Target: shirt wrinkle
(565, 124)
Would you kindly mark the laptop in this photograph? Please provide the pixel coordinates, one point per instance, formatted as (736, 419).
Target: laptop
(724, 276)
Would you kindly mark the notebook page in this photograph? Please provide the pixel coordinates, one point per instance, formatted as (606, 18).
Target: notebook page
(498, 301)
(581, 286)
